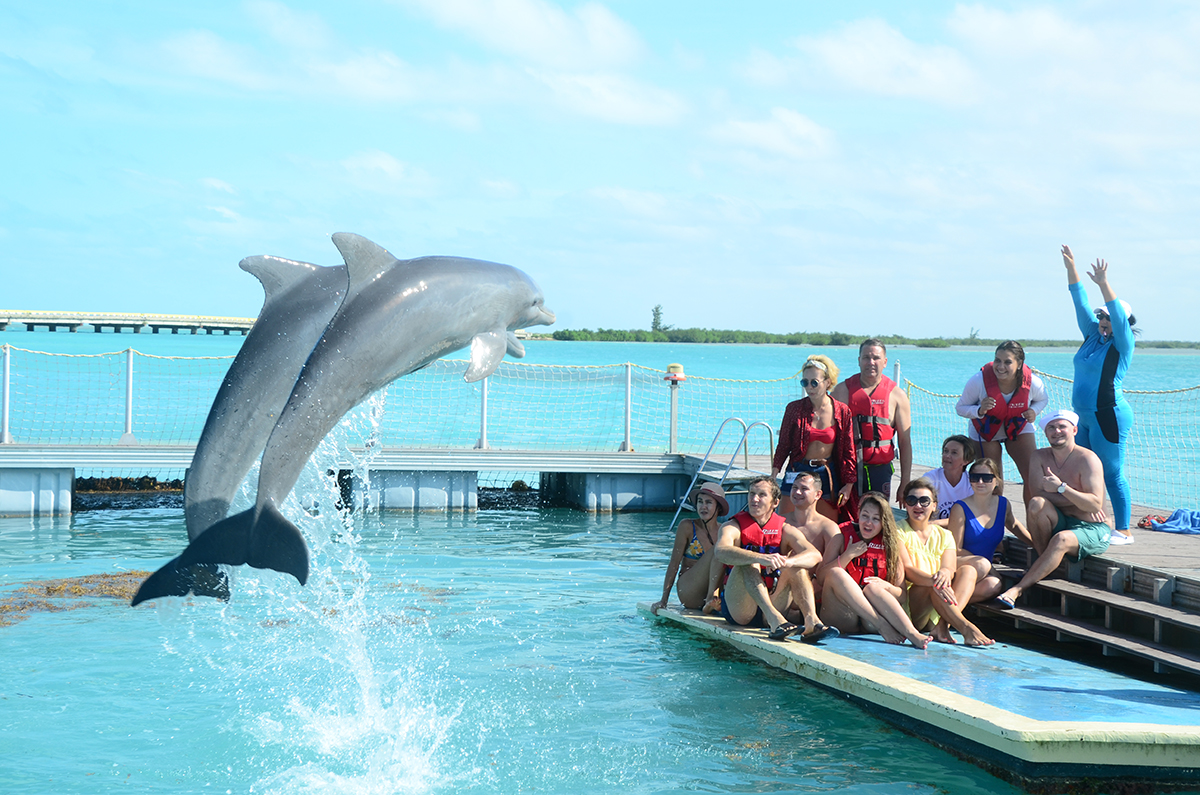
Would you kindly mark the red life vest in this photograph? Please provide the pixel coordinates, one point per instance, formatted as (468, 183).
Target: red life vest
(873, 429)
(1005, 414)
(766, 539)
(872, 563)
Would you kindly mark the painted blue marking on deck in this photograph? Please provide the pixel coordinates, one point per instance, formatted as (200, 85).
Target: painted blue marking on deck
(1029, 683)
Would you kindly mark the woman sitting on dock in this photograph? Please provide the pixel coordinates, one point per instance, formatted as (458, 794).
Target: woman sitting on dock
(864, 581)
(977, 524)
(816, 435)
(700, 576)
(930, 561)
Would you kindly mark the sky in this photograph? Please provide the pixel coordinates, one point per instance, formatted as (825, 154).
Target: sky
(875, 168)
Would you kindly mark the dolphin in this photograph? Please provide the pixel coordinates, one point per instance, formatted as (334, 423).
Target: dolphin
(399, 316)
(300, 301)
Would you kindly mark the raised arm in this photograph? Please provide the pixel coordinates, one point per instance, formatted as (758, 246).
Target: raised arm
(1121, 330)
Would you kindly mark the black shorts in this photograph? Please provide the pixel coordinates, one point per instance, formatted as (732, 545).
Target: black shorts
(878, 477)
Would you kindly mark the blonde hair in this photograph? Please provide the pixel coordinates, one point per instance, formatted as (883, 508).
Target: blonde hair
(890, 532)
(825, 365)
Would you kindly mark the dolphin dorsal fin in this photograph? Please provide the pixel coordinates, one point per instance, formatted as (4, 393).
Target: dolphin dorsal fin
(364, 260)
(276, 274)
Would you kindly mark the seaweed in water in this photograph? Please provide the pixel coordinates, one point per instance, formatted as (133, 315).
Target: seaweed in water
(55, 596)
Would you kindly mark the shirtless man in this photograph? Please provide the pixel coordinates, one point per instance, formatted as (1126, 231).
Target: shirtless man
(882, 421)
(820, 531)
(768, 562)
(1066, 514)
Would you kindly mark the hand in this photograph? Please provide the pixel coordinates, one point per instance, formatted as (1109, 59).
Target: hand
(942, 579)
(1068, 257)
(659, 605)
(844, 493)
(1099, 272)
(856, 549)
(1029, 414)
(947, 593)
(1050, 481)
(774, 561)
(713, 605)
(986, 405)
(1098, 516)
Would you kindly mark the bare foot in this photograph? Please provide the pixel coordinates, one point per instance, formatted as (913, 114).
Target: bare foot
(712, 606)
(920, 641)
(941, 633)
(973, 637)
(890, 634)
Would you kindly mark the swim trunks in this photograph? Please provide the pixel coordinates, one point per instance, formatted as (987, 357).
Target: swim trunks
(1092, 536)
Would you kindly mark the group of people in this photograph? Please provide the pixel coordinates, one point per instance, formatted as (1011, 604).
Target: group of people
(825, 553)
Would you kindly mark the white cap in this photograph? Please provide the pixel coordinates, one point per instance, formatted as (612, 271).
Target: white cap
(1058, 414)
(1124, 305)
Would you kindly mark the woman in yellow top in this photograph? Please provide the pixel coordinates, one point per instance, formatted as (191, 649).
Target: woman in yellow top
(930, 561)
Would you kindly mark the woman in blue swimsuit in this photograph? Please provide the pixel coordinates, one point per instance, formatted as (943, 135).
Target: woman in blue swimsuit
(692, 556)
(978, 523)
(1105, 417)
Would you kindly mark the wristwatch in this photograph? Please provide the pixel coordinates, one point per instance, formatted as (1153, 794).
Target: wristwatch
(1062, 488)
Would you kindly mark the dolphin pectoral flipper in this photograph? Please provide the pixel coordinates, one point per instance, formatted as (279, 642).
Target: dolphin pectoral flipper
(487, 351)
(515, 348)
(201, 579)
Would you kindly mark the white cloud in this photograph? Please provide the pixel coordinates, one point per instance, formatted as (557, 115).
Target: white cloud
(217, 184)
(870, 55)
(201, 53)
(298, 29)
(786, 133)
(382, 173)
(612, 98)
(541, 32)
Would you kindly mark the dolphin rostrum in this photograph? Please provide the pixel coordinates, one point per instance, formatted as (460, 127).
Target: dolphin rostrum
(399, 316)
(300, 300)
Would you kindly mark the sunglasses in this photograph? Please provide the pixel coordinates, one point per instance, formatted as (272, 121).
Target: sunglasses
(924, 502)
(806, 383)
(981, 477)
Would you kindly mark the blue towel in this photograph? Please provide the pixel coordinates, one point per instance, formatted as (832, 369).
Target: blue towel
(1182, 521)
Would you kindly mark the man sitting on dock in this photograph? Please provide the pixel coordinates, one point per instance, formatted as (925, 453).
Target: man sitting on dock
(767, 564)
(818, 530)
(1066, 514)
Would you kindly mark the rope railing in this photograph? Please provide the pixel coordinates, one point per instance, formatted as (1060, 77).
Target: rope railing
(99, 399)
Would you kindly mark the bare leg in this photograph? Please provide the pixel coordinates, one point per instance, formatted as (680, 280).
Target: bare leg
(987, 585)
(836, 613)
(692, 584)
(842, 593)
(890, 610)
(952, 614)
(1021, 451)
(715, 571)
(994, 451)
(1061, 545)
(745, 594)
(795, 584)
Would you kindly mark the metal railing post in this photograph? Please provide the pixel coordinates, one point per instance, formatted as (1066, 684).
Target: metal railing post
(896, 374)
(627, 445)
(674, 377)
(5, 438)
(128, 437)
(482, 444)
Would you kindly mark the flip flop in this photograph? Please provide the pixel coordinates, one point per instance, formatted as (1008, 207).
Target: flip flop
(820, 632)
(1000, 603)
(784, 631)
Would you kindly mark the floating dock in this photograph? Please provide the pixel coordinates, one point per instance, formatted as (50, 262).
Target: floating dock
(1038, 721)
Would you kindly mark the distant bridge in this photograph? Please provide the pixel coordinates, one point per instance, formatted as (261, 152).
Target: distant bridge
(118, 322)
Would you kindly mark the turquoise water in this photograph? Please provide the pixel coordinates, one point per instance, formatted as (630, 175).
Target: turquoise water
(497, 653)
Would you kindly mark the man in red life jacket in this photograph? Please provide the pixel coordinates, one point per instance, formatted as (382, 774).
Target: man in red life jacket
(882, 421)
(767, 563)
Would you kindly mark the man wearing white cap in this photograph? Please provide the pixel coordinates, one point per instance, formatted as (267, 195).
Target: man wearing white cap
(1066, 514)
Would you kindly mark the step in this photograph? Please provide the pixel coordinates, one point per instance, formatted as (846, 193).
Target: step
(1160, 655)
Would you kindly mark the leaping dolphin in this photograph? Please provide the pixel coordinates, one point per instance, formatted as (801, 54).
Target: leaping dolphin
(399, 316)
(300, 299)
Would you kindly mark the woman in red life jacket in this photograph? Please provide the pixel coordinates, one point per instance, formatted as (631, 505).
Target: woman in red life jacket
(864, 578)
(817, 436)
(700, 576)
(1001, 402)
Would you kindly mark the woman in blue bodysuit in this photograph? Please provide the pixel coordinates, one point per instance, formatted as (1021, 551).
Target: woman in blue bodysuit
(1105, 417)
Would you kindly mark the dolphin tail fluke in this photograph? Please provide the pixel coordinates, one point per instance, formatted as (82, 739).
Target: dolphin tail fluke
(276, 544)
(260, 537)
(201, 579)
